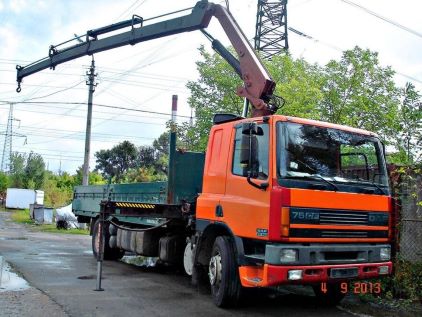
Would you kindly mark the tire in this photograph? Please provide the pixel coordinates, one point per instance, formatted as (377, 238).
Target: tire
(332, 297)
(109, 253)
(223, 273)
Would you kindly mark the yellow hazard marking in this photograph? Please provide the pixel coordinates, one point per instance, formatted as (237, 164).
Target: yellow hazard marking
(135, 205)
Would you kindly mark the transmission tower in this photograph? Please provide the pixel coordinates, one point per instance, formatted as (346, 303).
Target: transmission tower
(271, 27)
(7, 147)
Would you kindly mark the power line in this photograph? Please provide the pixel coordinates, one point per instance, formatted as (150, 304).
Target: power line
(56, 92)
(308, 37)
(68, 110)
(125, 11)
(97, 105)
(405, 28)
(114, 120)
(38, 132)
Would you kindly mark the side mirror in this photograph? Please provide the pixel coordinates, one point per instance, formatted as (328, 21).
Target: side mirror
(251, 128)
(249, 152)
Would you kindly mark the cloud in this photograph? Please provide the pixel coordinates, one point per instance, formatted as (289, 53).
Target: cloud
(17, 6)
(9, 39)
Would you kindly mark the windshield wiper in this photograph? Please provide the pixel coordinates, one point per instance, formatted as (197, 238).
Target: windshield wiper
(315, 176)
(300, 161)
(311, 176)
(366, 182)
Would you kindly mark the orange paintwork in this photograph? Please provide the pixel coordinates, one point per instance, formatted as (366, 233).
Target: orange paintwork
(216, 160)
(322, 124)
(285, 221)
(345, 240)
(327, 199)
(271, 275)
(253, 276)
(246, 208)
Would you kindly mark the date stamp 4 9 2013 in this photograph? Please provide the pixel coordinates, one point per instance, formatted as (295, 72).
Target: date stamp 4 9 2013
(356, 287)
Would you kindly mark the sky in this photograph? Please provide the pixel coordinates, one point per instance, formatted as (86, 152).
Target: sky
(51, 109)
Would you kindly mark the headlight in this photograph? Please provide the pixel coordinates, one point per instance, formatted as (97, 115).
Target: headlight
(294, 275)
(385, 254)
(288, 255)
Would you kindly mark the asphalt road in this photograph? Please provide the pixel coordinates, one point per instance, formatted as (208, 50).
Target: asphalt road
(61, 268)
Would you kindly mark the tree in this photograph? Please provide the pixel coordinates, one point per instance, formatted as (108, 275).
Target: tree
(58, 189)
(409, 136)
(153, 160)
(161, 145)
(34, 171)
(360, 93)
(298, 82)
(354, 91)
(95, 178)
(146, 156)
(27, 171)
(17, 170)
(117, 160)
(213, 92)
(4, 183)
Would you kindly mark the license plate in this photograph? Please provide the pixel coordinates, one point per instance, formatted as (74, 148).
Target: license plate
(344, 273)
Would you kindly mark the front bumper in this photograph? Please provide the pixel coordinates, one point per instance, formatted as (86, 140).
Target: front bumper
(272, 275)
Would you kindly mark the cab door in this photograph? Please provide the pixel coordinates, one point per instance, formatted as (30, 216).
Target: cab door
(245, 208)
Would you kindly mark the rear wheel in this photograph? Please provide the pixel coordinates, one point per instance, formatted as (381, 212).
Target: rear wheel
(109, 253)
(223, 273)
(331, 296)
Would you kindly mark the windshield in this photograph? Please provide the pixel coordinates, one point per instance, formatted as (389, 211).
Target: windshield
(337, 156)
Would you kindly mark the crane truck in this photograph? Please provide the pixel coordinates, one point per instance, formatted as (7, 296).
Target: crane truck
(274, 200)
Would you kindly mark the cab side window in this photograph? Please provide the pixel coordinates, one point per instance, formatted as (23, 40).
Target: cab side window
(259, 168)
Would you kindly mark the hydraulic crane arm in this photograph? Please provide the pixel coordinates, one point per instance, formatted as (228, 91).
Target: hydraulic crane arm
(258, 86)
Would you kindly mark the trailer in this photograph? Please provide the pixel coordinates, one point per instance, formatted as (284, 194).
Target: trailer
(164, 208)
(19, 198)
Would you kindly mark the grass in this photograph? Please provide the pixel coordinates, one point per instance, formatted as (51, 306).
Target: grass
(22, 216)
(52, 229)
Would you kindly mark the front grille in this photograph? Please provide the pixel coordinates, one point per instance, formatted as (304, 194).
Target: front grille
(303, 222)
(338, 217)
(341, 217)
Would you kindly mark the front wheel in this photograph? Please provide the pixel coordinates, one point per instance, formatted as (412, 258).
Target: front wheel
(223, 273)
(331, 295)
(109, 253)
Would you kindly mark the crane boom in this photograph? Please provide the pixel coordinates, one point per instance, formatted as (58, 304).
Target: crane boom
(258, 85)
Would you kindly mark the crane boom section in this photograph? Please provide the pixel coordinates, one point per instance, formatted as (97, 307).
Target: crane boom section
(258, 85)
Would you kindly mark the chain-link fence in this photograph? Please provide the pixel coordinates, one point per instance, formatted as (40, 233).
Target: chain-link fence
(408, 187)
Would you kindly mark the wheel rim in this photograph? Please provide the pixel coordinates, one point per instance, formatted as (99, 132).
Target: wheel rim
(214, 271)
(187, 259)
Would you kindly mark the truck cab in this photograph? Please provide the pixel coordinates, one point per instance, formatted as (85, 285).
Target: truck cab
(301, 201)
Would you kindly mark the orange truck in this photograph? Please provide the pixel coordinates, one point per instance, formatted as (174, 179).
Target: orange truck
(294, 201)
(275, 200)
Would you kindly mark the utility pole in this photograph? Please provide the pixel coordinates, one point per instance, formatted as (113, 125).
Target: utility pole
(271, 27)
(91, 84)
(8, 144)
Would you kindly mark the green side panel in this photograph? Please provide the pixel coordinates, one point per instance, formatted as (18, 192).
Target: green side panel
(87, 199)
(188, 174)
(185, 183)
